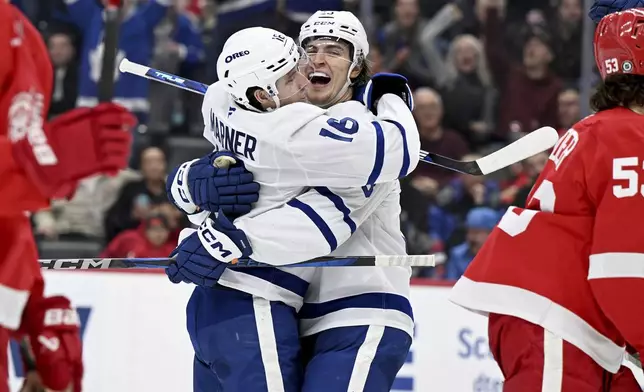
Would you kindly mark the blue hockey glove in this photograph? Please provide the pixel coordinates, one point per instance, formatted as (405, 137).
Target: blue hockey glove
(602, 8)
(204, 255)
(386, 83)
(200, 185)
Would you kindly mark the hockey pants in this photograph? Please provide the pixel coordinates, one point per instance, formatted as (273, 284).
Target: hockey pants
(535, 360)
(244, 343)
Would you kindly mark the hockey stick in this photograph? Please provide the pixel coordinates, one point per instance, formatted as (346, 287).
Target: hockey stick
(633, 363)
(110, 47)
(329, 261)
(533, 143)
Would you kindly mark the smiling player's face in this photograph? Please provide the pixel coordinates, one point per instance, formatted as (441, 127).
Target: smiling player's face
(327, 68)
(291, 87)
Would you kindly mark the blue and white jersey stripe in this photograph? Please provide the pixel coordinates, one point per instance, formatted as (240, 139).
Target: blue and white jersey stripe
(330, 219)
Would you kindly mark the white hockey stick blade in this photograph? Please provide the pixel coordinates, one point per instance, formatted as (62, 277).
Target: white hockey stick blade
(531, 144)
(635, 366)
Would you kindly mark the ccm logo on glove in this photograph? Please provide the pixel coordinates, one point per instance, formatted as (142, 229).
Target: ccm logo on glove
(217, 244)
(180, 179)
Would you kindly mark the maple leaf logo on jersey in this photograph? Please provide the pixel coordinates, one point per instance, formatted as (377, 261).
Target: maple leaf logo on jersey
(96, 62)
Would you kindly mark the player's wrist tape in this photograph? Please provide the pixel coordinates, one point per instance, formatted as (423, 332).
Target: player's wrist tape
(220, 246)
(180, 191)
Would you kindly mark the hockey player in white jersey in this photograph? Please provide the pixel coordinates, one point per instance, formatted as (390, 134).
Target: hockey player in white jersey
(298, 150)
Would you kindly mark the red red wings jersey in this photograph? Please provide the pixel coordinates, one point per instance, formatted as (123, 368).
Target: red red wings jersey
(25, 71)
(25, 89)
(573, 260)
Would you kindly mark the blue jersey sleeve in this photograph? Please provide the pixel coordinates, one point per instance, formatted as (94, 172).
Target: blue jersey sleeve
(81, 12)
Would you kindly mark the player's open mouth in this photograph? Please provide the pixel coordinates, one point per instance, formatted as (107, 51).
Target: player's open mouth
(319, 79)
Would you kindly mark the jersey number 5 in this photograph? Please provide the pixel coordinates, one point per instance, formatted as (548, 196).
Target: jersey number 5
(515, 224)
(346, 126)
(624, 169)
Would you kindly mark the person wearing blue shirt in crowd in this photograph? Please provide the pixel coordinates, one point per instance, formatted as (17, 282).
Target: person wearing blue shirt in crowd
(602, 8)
(447, 215)
(479, 223)
(136, 42)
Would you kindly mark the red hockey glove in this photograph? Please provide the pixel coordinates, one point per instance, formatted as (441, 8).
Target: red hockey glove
(76, 144)
(53, 329)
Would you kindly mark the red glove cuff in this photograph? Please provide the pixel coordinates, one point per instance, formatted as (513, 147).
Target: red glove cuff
(77, 144)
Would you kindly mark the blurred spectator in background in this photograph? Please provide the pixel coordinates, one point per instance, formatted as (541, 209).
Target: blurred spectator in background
(375, 60)
(42, 14)
(400, 43)
(516, 190)
(467, 91)
(136, 42)
(569, 110)
(528, 91)
(432, 45)
(295, 12)
(63, 58)
(150, 239)
(235, 15)
(178, 49)
(138, 199)
(532, 167)
(428, 112)
(455, 199)
(415, 207)
(566, 33)
(82, 217)
(479, 223)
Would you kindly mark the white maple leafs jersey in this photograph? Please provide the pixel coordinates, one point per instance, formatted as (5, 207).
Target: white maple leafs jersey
(328, 186)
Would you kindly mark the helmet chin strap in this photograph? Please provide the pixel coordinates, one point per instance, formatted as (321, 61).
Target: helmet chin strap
(277, 104)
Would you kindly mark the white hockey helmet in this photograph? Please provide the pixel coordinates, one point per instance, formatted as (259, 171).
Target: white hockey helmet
(338, 24)
(256, 57)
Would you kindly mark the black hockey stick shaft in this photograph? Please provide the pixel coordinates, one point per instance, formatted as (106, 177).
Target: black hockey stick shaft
(330, 261)
(110, 48)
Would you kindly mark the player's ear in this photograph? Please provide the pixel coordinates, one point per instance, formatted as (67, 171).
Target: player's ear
(357, 70)
(263, 98)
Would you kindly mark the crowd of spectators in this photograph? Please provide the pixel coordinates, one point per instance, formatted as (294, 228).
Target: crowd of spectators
(484, 72)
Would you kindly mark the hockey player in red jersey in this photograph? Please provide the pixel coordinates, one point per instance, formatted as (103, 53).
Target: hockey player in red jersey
(39, 161)
(562, 279)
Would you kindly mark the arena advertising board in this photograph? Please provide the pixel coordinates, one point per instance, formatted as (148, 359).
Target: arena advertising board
(135, 338)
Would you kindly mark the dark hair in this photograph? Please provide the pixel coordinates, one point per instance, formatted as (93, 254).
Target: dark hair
(365, 73)
(250, 95)
(618, 90)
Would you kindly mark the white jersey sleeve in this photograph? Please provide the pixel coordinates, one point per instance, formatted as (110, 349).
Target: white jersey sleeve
(349, 146)
(311, 225)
